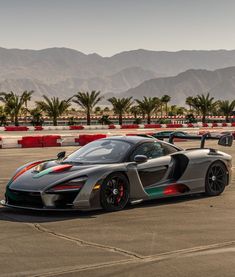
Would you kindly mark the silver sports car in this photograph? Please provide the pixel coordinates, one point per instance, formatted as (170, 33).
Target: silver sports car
(112, 172)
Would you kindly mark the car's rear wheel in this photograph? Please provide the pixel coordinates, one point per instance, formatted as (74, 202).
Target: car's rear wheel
(114, 194)
(216, 179)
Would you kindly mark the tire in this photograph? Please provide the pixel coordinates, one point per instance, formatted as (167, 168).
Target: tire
(115, 191)
(216, 179)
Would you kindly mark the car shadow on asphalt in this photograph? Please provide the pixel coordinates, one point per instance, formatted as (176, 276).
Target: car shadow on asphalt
(27, 216)
(170, 200)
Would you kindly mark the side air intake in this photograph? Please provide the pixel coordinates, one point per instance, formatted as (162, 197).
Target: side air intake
(180, 163)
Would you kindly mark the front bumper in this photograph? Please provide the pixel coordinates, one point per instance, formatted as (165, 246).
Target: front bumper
(5, 204)
(39, 200)
(84, 199)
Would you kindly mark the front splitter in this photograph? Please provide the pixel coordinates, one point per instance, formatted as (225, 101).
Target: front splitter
(3, 203)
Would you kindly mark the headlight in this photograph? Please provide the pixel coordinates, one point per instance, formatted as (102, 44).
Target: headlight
(72, 185)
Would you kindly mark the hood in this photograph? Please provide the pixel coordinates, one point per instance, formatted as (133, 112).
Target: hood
(48, 174)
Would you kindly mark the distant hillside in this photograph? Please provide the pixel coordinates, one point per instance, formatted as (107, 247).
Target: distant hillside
(63, 71)
(220, 83)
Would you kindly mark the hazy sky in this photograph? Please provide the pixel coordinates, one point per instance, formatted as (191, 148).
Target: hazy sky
(111, 26)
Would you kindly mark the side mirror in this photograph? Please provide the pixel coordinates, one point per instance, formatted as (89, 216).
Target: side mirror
(226, 140)
(140, 159)
(61, 155)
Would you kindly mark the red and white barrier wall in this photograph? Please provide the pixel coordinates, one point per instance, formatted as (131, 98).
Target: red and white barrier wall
(105, 127)
(63, 140)
(47, 140)
(75, 138)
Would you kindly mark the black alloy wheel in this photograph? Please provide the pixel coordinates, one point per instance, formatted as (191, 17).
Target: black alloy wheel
(114, 194)
(216, 179)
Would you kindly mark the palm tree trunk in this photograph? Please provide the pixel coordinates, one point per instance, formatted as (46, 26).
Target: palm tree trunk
(149, 119)
(166, 109)
(203, 118)
(161, 110)
(120, 119)
(26, 105)
(88, 118)
(16, 120)
(12, 118)
(55, 121)
(226, 118)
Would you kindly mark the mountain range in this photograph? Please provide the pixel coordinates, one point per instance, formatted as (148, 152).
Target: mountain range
(62, 72)
(219, 83)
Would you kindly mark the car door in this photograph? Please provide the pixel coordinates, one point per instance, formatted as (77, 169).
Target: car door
(156, 169)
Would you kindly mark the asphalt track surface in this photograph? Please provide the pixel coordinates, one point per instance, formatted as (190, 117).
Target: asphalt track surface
(184, 236)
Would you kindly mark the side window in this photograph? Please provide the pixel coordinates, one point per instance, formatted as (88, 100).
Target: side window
(168, 149)
(158, 150)
(150, 149)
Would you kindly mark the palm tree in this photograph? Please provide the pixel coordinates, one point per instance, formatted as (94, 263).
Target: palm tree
(226, 108)
(195, 105)
(106, 110)
(98, 110)
(53, 107)
(120, 106)
(27, 97)
(204, 104)
(6, 99)
(148, 105)
(13, 104)
(172, 110)
(189, 102)
(181, 110)
(3, 117)
(135, 110)
(164, 100)
(87, 100)
(36, 115)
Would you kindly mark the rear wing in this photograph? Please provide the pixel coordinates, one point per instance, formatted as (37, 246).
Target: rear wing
(224, 140)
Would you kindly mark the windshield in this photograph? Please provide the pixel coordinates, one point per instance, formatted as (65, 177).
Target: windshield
(100, 151)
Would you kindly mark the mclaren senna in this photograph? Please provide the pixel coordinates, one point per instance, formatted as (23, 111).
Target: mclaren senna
(109, 173)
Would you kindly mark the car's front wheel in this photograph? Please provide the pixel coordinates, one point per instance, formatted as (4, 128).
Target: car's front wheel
(114, 194)
(216, 179)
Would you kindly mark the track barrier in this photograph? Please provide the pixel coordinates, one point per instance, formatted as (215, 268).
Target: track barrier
(84, 139)
(112, 126)
(16, 128)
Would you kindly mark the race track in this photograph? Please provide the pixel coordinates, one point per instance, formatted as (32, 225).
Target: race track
(185, 236)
